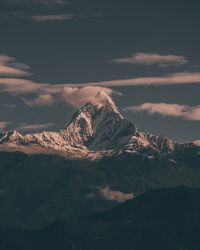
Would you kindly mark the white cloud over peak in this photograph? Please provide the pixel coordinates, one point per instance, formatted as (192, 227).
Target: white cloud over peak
(185, 112)
(78, 96)
(153, 59)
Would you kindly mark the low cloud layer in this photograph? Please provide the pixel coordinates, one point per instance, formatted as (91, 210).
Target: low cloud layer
(114, 195)
(185, 112)
(153, 59)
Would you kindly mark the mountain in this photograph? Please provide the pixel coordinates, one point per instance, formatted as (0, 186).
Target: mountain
(98, 161)
(96, 129)
(100, 126)
(167, 219)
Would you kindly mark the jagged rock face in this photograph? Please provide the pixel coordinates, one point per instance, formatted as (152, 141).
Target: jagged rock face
(1, 135)
(12, 137)
(96, 128)
(100, 127)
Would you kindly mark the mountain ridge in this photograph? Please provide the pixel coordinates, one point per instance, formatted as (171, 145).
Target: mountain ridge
(159, 219)
(96, 129)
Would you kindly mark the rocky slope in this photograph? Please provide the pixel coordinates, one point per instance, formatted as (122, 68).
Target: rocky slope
(167, 219)
(36, 190)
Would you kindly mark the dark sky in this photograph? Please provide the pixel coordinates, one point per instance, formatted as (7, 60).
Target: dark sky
(78, 41)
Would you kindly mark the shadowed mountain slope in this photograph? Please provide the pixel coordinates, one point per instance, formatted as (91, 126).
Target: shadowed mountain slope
(167, 219)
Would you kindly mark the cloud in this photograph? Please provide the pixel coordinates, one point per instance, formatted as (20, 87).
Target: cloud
(8, 67)
(79, 96)
(29, 3)
(50, 2)
(59, 17)
(9, 106)
(197, 142)
(185, 112)
(3, 125)
(22, 86)
(170, 79)
(41, 100)
(38, 10)
(19, 86)
(75, 94)
(113, 195)
(153, 59)
(50, 93)
(34, 127)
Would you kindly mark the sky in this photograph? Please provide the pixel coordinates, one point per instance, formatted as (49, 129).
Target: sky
(55, 55)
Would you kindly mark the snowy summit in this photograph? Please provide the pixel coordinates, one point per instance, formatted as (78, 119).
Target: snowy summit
(97, 128)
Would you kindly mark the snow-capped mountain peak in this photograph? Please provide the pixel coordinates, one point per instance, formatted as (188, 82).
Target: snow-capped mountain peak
(100, 126)
(105, 100)
(96, 128)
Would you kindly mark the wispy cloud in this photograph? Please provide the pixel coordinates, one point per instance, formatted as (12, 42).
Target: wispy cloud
(9, 67)
(41, 11)
(114, 195)
(34, 127)
(41, 100)
(153, 59)
(22, 86)
(62, 17)
(28, 3)
(185, 112)
(9, 106)
(170, 79)
(59, 17)
(75, 93)
(50, 2)
(36, 10)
